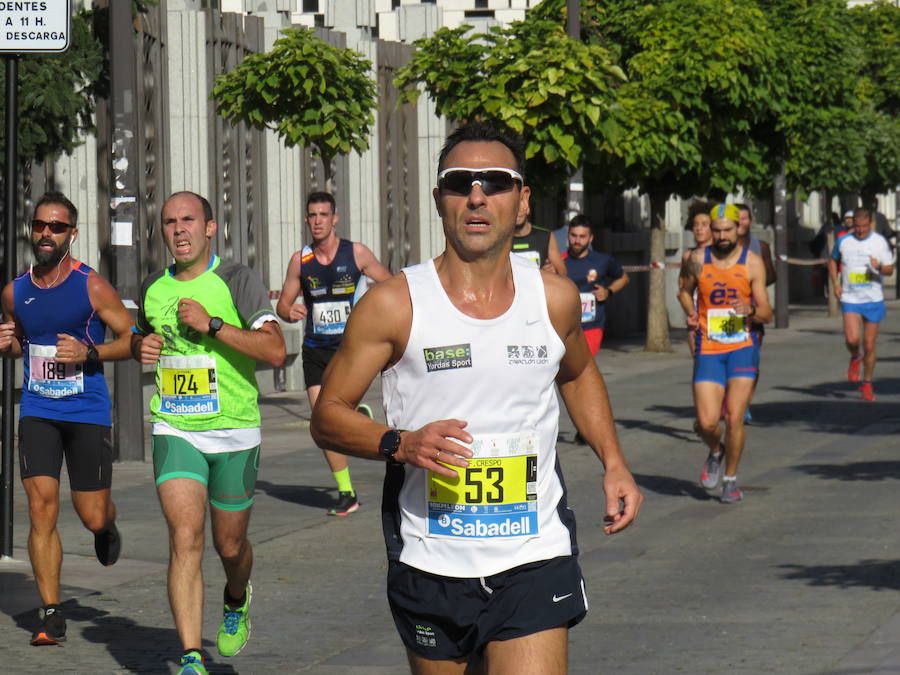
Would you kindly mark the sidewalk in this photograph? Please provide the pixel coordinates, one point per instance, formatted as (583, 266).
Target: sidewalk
(802, 577)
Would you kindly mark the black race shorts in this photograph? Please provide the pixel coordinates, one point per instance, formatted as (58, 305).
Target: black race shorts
(87, 448)
(315, 360)
(441, 618)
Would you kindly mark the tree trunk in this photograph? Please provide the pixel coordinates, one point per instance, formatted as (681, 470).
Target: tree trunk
(657, 315)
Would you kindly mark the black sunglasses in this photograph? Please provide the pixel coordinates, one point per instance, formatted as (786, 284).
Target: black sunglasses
(492, 180)
(56, 226)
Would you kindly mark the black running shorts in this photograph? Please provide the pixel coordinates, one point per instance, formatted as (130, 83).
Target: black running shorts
(315, 360)
(87, 448)
(441, 618)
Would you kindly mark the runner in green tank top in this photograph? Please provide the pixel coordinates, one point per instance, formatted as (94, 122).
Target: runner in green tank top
(204, 323)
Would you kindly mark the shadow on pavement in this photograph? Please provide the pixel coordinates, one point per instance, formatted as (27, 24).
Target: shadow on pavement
(144, 649)
(662, 429)
(876, 574)
(305, 495)
(673, 487)
(868, 471)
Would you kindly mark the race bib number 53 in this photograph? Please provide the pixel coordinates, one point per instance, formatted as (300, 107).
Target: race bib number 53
(494, 496)
(188, 385)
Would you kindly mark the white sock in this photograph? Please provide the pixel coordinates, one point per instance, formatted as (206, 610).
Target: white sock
(730, 478)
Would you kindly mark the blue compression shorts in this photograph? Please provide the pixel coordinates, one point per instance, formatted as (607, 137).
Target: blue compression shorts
(720, 368)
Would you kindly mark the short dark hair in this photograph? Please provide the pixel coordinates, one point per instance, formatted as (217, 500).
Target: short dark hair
(744, 207)
(485, 132)
(695, 209)
(54, 197)
(862, 212)
(204, 202)
(320, 198)
(580, 220)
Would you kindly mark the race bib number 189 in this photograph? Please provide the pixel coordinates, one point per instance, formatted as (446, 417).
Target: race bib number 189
(48, 377)
(494, 496)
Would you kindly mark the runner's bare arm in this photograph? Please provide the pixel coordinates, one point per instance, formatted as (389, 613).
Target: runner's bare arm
(368, 264)
(375, 339)
(619, 283)
(687, 282)
(761, 310)
(108, 305)
(264, 344)
(584, 393)
(10, 331)
(554, 257)
(287, 307)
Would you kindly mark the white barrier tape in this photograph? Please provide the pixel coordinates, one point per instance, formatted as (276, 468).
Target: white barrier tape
(801, 261)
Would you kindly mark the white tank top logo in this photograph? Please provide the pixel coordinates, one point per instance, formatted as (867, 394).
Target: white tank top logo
(448, 357)
(527, 355)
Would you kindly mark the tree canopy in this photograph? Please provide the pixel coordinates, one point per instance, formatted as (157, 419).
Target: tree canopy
(307, 91)
(555, 91)
(55, 95)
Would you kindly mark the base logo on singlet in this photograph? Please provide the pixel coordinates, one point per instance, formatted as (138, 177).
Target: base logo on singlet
(448, 357)
(527, 355)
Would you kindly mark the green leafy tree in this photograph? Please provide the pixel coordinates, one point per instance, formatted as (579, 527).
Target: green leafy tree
(877, 26)
(55, 95)
(531, 77)
(307, 91)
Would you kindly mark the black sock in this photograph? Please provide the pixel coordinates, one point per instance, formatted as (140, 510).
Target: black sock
(234, 602)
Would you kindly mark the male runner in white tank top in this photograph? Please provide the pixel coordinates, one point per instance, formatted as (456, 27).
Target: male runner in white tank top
(472, 346)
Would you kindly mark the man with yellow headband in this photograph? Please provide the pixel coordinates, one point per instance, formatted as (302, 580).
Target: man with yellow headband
(731, 288)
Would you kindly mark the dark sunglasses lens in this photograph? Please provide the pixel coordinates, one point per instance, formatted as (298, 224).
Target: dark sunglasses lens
(491, 182)
(459, 182)
(56, 227)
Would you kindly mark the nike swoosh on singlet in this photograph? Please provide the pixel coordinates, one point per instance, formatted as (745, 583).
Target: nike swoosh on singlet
(561, 597)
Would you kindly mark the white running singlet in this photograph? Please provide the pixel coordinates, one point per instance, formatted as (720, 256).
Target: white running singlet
(860, 283)
(508, 508)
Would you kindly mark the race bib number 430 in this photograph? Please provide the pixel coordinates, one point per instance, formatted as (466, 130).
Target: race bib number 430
(188, 385)
(495, 496)
(48, 377)
(330, 318)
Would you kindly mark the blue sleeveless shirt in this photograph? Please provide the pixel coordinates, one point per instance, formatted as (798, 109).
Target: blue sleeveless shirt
(71, 392)
(328, 293)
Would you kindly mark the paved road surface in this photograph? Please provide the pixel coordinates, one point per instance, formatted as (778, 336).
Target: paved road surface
(802, 577)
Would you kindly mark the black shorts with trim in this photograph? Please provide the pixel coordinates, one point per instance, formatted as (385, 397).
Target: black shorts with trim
(315, 360)
(441, 618)
(87, 448)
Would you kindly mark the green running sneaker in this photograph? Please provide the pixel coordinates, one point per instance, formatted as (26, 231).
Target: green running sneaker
(192, 664)
(235, 629)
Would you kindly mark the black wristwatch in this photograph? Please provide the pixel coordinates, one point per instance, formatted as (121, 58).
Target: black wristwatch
(389, 445)
(92, 354)
(215, 325)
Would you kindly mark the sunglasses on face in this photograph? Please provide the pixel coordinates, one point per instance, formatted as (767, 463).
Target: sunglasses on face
(56, 226)
(491, 180)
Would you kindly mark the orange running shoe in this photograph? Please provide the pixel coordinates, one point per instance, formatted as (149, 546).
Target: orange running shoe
(866, 393)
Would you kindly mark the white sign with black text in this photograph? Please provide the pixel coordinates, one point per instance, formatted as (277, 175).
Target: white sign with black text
(29, 26)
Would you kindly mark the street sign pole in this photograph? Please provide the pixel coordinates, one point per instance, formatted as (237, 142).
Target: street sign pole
(9, 272)
(25, 28)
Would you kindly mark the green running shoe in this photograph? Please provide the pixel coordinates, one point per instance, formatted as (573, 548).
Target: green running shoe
(192, 664)
(235, 629)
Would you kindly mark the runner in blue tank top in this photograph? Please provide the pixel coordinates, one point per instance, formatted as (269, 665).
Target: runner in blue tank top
(55, 316)
(328, 274)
